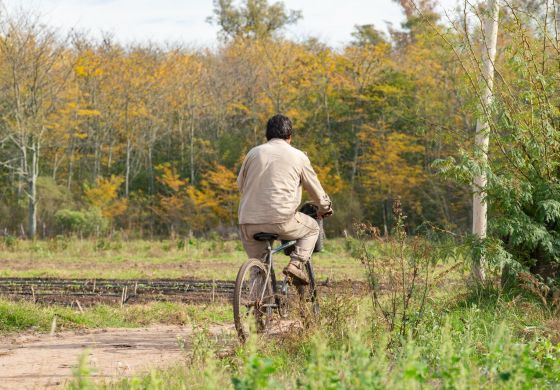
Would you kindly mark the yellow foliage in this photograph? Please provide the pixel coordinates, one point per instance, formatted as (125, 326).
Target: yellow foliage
(86, 112)
(332, 183)
(104, 195)
(88, 65)
(218, 193)
(170, 178)
(388, 164)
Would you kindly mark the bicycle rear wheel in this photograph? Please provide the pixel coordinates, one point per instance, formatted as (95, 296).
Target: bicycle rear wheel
(252, 299)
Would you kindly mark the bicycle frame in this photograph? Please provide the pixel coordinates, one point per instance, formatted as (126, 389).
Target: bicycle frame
(270, 268)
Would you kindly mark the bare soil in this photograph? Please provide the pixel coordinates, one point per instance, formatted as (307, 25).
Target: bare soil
(89, 292)
(47, 361)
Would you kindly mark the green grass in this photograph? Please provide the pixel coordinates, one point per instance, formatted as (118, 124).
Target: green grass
(466, 342)
(467, 338)
(25, 316)
(194, 258)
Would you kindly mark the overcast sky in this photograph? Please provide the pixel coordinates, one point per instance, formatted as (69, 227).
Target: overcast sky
(185, 20)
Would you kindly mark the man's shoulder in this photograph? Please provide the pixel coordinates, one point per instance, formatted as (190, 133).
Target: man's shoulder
(285, 147)
(256, 149)
(300, 153)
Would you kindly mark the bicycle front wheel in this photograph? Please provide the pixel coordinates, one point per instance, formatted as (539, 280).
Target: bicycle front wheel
(308, 299)
(252, 299)
(299, 302)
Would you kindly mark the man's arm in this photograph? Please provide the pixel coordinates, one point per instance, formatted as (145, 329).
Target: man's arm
(242, 174)
(311, 184)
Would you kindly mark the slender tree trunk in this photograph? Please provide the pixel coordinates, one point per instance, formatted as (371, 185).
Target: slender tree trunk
(192, 148)
(354, 162)
(96, 158)
(70, 165)
(110, 158)
(482, 137)
(32, 194)
(55, 167)
(127, 174)
(23, 170)
(151, 169)
(182, 148)
(385, 217)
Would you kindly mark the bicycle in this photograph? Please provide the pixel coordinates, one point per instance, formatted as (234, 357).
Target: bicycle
(258, 303)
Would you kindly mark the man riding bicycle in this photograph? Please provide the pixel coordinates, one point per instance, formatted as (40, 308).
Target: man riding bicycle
(270, 182)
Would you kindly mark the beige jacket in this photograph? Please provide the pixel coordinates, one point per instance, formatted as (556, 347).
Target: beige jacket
(270, 181)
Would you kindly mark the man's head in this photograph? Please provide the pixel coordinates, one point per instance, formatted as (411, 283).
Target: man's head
(279, 126)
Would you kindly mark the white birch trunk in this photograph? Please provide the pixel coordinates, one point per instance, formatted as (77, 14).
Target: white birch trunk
(192, 148)
(482, 137)
(32, 193)
(127, 173)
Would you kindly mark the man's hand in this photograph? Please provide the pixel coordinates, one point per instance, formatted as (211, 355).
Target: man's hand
(325, 214)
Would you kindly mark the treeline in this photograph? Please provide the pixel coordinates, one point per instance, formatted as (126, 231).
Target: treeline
(95, 135)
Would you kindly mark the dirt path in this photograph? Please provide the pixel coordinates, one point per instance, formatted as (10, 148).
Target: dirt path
(44, 361)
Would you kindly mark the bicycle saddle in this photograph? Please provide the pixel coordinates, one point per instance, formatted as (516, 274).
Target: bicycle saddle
(265, 236)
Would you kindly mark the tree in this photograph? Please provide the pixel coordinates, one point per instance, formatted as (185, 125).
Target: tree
(482, 137)
(390, 169)
(34, 71)
(367, 34)
(255, 19)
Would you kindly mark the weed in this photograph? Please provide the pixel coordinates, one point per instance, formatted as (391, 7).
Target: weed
(255, 371)
(399, 276)
(102, 244)
(337, 312)
(81, 379)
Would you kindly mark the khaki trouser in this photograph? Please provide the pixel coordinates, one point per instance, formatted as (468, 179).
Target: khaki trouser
(302, 228)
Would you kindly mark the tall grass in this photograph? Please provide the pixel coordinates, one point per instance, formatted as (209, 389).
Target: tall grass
(467, 342)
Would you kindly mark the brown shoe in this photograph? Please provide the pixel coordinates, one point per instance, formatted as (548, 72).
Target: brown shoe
(296, 269)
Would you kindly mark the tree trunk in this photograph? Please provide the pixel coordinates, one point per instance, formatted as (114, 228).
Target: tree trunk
(70, 165)
(385, 217)
(182, 137)
(151, 170)
(127, 174)
(354, 163)
(96, 159)
(55, 167)
(32, 193)
(192, 149)
(110, 158)
(22, 171)
(482, 137)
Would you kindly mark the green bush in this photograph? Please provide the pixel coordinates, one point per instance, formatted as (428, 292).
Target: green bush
(9, 242)
(84, 222)
(52, 198)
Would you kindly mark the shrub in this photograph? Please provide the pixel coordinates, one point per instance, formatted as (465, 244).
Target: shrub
(398, 275)
(52, 198)
(9, 242)
(88, 222)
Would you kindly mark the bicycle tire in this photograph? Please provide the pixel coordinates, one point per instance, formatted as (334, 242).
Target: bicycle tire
(241, 312)
(300, 302)
(321, 238)
(311, 296)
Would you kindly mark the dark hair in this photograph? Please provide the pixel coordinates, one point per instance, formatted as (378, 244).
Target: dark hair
(279, 126)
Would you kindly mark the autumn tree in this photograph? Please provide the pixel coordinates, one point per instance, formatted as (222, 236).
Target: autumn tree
(34, 70)
(254, 19)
